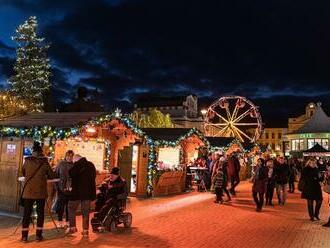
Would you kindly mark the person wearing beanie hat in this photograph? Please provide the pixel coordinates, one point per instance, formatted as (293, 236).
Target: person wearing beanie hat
(112, 187)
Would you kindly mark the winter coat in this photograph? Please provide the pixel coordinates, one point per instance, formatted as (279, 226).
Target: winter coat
(62, 171)
(83, 174)
(233, 167)
(218, 179)
(36, 188)
(112, 189)
(260, 180)
(312, 188)
(281, 173)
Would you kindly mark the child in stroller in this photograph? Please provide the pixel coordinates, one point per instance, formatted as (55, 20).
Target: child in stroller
(111, 204)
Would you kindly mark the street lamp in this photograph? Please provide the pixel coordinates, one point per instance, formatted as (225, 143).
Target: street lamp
(204, 112)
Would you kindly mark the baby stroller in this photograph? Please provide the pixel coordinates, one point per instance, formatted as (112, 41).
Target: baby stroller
(111, 215)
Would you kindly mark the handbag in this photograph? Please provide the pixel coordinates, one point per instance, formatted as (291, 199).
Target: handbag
(21, 199)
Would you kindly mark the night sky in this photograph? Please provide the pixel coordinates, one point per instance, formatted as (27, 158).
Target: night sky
(275, 52)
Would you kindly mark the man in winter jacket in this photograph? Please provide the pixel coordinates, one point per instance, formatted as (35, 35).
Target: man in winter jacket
(36, 170)
(233, 173)
(82, 174)
(281, 175)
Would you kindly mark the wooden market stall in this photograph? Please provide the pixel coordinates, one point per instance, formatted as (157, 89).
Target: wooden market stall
(16, 143)
(175, 148)
(151, 160)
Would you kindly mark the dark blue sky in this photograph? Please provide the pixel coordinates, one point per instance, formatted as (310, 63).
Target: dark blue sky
(276, 52)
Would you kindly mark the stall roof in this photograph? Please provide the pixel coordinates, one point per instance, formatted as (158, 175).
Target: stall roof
(53, 119)
(317, 151)
(220, 141)
(317, 148)
(167, 134)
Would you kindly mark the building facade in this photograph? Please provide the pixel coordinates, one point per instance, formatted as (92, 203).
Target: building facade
(182, 109)
(298, 122)
(176, 107)
(273, 139)
(314, 130)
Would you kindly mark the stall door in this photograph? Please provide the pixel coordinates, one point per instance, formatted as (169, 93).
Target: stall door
(125, 164)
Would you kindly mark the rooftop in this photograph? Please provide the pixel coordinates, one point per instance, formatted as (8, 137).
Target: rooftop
(167, 134)
(53, 119)
(318, 123)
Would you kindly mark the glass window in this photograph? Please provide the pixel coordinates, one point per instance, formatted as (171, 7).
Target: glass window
(267, 136)
(273, 136)
(310, 143)
(297, 145)
(318, 141)
(301, 145)
(325, 143)
(279, 136)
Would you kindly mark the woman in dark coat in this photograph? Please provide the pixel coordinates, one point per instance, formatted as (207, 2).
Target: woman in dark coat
(259, 187)
(311, 190)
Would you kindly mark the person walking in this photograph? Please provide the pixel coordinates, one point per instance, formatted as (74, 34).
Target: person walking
(63, 188)
(260, 184)
(233, 172)
(292, 176)
(281, 174)
(36, 171)
(82, 174)
(270, 183)
(224, 165)
(311, 190)
(218, 183)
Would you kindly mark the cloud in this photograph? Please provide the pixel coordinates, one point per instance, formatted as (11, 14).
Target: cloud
(263, 50)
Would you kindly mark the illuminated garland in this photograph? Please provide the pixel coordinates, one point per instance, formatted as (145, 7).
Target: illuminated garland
(40, 133)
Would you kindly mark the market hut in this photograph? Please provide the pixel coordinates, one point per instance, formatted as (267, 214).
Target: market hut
(174, 148)
(17, 136)
(107, 141)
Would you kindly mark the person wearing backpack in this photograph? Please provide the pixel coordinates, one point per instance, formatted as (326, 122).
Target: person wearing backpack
(82, 174)
(36, 171)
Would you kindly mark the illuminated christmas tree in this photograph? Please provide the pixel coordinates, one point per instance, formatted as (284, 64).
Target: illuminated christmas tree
(30, 82)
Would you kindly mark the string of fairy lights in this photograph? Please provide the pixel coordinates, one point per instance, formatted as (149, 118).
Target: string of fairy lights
(53, 134)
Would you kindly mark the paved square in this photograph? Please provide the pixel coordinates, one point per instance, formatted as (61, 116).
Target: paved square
(193, 220)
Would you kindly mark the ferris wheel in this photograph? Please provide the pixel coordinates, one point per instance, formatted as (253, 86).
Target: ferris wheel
(233, 116)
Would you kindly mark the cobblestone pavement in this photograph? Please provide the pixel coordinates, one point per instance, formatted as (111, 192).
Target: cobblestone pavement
(193, 220)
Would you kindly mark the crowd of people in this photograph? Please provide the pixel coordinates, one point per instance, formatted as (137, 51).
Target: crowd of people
(75, 187)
